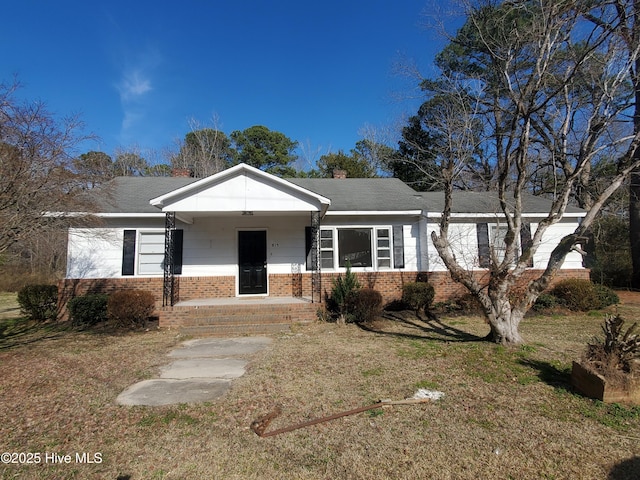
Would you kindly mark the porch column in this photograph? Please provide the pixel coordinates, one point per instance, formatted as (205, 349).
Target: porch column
(169, 283)
(316, 274)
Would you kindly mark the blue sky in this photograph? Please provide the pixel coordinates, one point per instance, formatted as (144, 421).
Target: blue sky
(137, 71)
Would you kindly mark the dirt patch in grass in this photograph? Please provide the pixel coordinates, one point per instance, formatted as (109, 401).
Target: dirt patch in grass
(507, 413)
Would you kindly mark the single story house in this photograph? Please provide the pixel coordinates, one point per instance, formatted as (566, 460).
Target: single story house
(243, 233)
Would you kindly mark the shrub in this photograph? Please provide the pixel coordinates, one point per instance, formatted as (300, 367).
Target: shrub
(577, 294)
(545, 301)
(130, 308)
(617, 351)
(39, 302)
(606, 296)
(88, 309)
(343, 288)
(365, 305)
(418, 295)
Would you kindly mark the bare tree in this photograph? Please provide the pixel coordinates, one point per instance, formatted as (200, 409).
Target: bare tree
(547, 89)
(36, 169)
(129, 162)
(204, 150)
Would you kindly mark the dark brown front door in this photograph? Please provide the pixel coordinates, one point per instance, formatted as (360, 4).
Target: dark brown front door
(252, 260)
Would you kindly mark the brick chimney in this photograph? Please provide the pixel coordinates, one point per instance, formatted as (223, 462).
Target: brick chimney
(181, 172)
(337, 173)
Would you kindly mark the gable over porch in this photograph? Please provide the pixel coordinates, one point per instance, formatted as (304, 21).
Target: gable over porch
(254, 226)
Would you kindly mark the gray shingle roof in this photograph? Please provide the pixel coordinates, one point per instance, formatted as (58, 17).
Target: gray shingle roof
(132, 195)
(363, 194)
(485, 202)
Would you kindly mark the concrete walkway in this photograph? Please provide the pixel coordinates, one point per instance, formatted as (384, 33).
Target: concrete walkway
(201, 370)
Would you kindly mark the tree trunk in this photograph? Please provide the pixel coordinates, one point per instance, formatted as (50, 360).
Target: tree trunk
(634, 184)
(504, 321)
(634, 227)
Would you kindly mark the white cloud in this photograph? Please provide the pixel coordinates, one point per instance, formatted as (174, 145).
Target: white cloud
(134, 84)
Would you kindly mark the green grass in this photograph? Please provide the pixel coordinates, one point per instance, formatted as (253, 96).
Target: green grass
(58, 392)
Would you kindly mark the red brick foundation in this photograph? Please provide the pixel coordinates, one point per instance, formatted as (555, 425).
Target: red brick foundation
(389, 284)
(446, 288)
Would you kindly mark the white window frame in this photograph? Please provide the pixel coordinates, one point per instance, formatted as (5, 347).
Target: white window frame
(140, 254)
(389, 248)
(497, 232)
(375, 247)
(326, 249)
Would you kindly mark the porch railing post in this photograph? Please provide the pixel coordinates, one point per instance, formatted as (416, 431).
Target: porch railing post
(316, 276)
(169, 283)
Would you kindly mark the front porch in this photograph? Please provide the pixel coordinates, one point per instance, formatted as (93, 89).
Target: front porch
(247, 315)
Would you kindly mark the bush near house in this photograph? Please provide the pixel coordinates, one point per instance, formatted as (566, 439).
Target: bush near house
(418, 295)
(344, 287)
(582, 295)
(39, 302)
(87, 310)
(544, 302)
(365, 305)
(130, 308)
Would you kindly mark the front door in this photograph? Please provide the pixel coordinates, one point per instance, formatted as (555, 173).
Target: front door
(252, 261)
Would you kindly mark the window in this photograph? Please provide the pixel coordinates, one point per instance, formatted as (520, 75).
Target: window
(129, 252)
(326, 249)
(383, 252)
(492, 238)
(354, 247)
(151, 253)
(497, 241)
(381, 248)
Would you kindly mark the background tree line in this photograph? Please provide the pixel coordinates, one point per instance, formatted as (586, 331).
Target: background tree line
(454, 141)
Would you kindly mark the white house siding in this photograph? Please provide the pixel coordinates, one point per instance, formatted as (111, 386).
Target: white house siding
(464, 240)
(94, 253)
(211, 244)
(550, 239)
(97, 252)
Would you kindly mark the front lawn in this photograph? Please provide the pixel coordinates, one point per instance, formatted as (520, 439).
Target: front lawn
(507, 413)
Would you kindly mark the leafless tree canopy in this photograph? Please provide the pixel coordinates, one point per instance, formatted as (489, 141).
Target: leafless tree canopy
(204, 151)
(542, 91)
(36, 168)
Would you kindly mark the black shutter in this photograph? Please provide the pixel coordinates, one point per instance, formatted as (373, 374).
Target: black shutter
(310, 251)
(177, 251)
(525, 240)
(398, 247)
(129, 252)
(484, 253)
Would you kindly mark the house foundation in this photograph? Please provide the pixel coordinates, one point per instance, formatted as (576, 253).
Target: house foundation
(295, 286)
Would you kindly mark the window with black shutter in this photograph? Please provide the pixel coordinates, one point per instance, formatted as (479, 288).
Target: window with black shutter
(178, 236)
(525, 240)
(310, 251)
(129, 252)
(484, 252)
